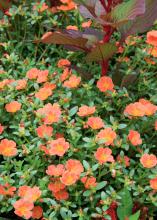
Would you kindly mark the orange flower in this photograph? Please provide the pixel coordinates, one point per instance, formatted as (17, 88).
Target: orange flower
(48, 85)
(89, 182)
(105, 84)
(63, 63)
(120, 48)
(61, 195)
(86, 110)
(57, 170)
(22, 190)
(8, 148)
(103, 155)
(134, 138)
(1, 129)
(150, 109)
(43, 93)
(66, 73)
(73, 82)
(32, 194)
(67, 5)
(153, 51)
(72, 27)
(7, 190)
(59, 135)
(50, 113)
(32, 73)
(149, 61)
(37, 212)
(40, 7)
(56, 185)
(95, 123)
(148, 160)
(13, 106)
(135, 109)
(58, 147)
(125, 160)
(23, 208)
(44, 149)
(69, 178)
(3, 84)
(131, 40)
(21, 84)
(106, 135)
(44, 131)
(28, 193)
(6, 82)
(74, 166)
(152, 37)
(156, 125)
(42, 76)
(153, 183)
(86, 24)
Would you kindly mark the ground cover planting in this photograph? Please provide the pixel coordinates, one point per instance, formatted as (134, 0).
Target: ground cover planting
(78, 110)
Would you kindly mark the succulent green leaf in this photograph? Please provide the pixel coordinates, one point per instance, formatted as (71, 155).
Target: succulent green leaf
(135, 216)
(125, 209)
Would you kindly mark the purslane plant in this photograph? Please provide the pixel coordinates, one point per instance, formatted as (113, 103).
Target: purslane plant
(130, 17)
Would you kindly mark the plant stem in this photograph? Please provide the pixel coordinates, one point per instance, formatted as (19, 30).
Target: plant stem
(104, 4)
(105, 64)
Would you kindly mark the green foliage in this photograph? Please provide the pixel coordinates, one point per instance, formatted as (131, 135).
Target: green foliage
(21, 50)
(125, 208)
(135, 216)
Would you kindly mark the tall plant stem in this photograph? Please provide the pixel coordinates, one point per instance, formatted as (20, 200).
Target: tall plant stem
(105, 63)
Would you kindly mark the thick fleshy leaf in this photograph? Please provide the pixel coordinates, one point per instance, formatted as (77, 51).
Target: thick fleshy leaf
(135, 216)
(101, 52)
(63, 39)
(125, 209)
(127, 11)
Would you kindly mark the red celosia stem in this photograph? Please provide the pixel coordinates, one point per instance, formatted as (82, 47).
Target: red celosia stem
(109, 5)
(104, 64)
(104, 4)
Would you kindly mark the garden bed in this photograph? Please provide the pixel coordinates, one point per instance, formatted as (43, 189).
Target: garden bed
(78, 110)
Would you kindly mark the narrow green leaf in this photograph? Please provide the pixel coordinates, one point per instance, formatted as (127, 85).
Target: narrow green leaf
(122, 126)
(87, 193)
(101, 185)
(73, 111)
(86, 165)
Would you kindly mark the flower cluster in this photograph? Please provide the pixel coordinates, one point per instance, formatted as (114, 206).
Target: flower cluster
(72, 147)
